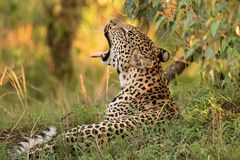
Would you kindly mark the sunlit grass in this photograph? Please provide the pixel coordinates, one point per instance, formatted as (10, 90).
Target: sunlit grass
(205, 130)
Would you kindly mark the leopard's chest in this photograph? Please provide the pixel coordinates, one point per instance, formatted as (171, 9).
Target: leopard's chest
(124, 79)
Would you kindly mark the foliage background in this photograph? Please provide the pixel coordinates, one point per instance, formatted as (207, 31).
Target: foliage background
(204, 35)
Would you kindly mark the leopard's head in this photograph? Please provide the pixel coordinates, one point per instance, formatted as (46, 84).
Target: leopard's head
(130, 47)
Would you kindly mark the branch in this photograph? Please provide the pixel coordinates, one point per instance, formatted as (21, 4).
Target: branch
(176, 69)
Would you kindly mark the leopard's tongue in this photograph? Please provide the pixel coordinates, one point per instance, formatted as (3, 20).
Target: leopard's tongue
(98, 54)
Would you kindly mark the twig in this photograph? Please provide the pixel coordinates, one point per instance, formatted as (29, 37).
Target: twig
(66, 116)
(14, 127)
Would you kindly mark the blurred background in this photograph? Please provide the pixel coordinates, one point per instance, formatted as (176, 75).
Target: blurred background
(45, 47)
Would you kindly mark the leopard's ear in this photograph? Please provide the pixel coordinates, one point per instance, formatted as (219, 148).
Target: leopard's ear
(162, 55)
(139, 61)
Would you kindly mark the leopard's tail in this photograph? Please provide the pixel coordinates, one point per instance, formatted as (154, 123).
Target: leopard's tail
(43, 137)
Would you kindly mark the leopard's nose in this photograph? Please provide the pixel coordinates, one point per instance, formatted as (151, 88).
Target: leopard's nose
(113, 21)
(111, 24)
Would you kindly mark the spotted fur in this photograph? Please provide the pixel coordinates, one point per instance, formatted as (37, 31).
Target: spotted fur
(144, 99)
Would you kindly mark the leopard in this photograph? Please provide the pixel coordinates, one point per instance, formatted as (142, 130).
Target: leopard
(143, 101)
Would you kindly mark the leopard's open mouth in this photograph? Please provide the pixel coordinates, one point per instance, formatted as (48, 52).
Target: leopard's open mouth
(104, 55)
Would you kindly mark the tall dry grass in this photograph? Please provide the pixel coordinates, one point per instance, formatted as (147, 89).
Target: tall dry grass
(18, 82)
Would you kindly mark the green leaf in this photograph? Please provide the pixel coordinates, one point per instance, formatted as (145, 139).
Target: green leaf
(224, 45)
(189, 53)
(210, 52)
(149, 15)
(159, 21)
(188, 21)
(213, 28)
(220, 6)
(155, 3)
(129, 7)
(232, 53)
(185, 2)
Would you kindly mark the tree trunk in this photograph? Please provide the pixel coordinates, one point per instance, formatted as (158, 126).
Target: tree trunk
(61, 31)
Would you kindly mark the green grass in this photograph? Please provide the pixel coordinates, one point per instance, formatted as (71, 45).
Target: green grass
(204, 131)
